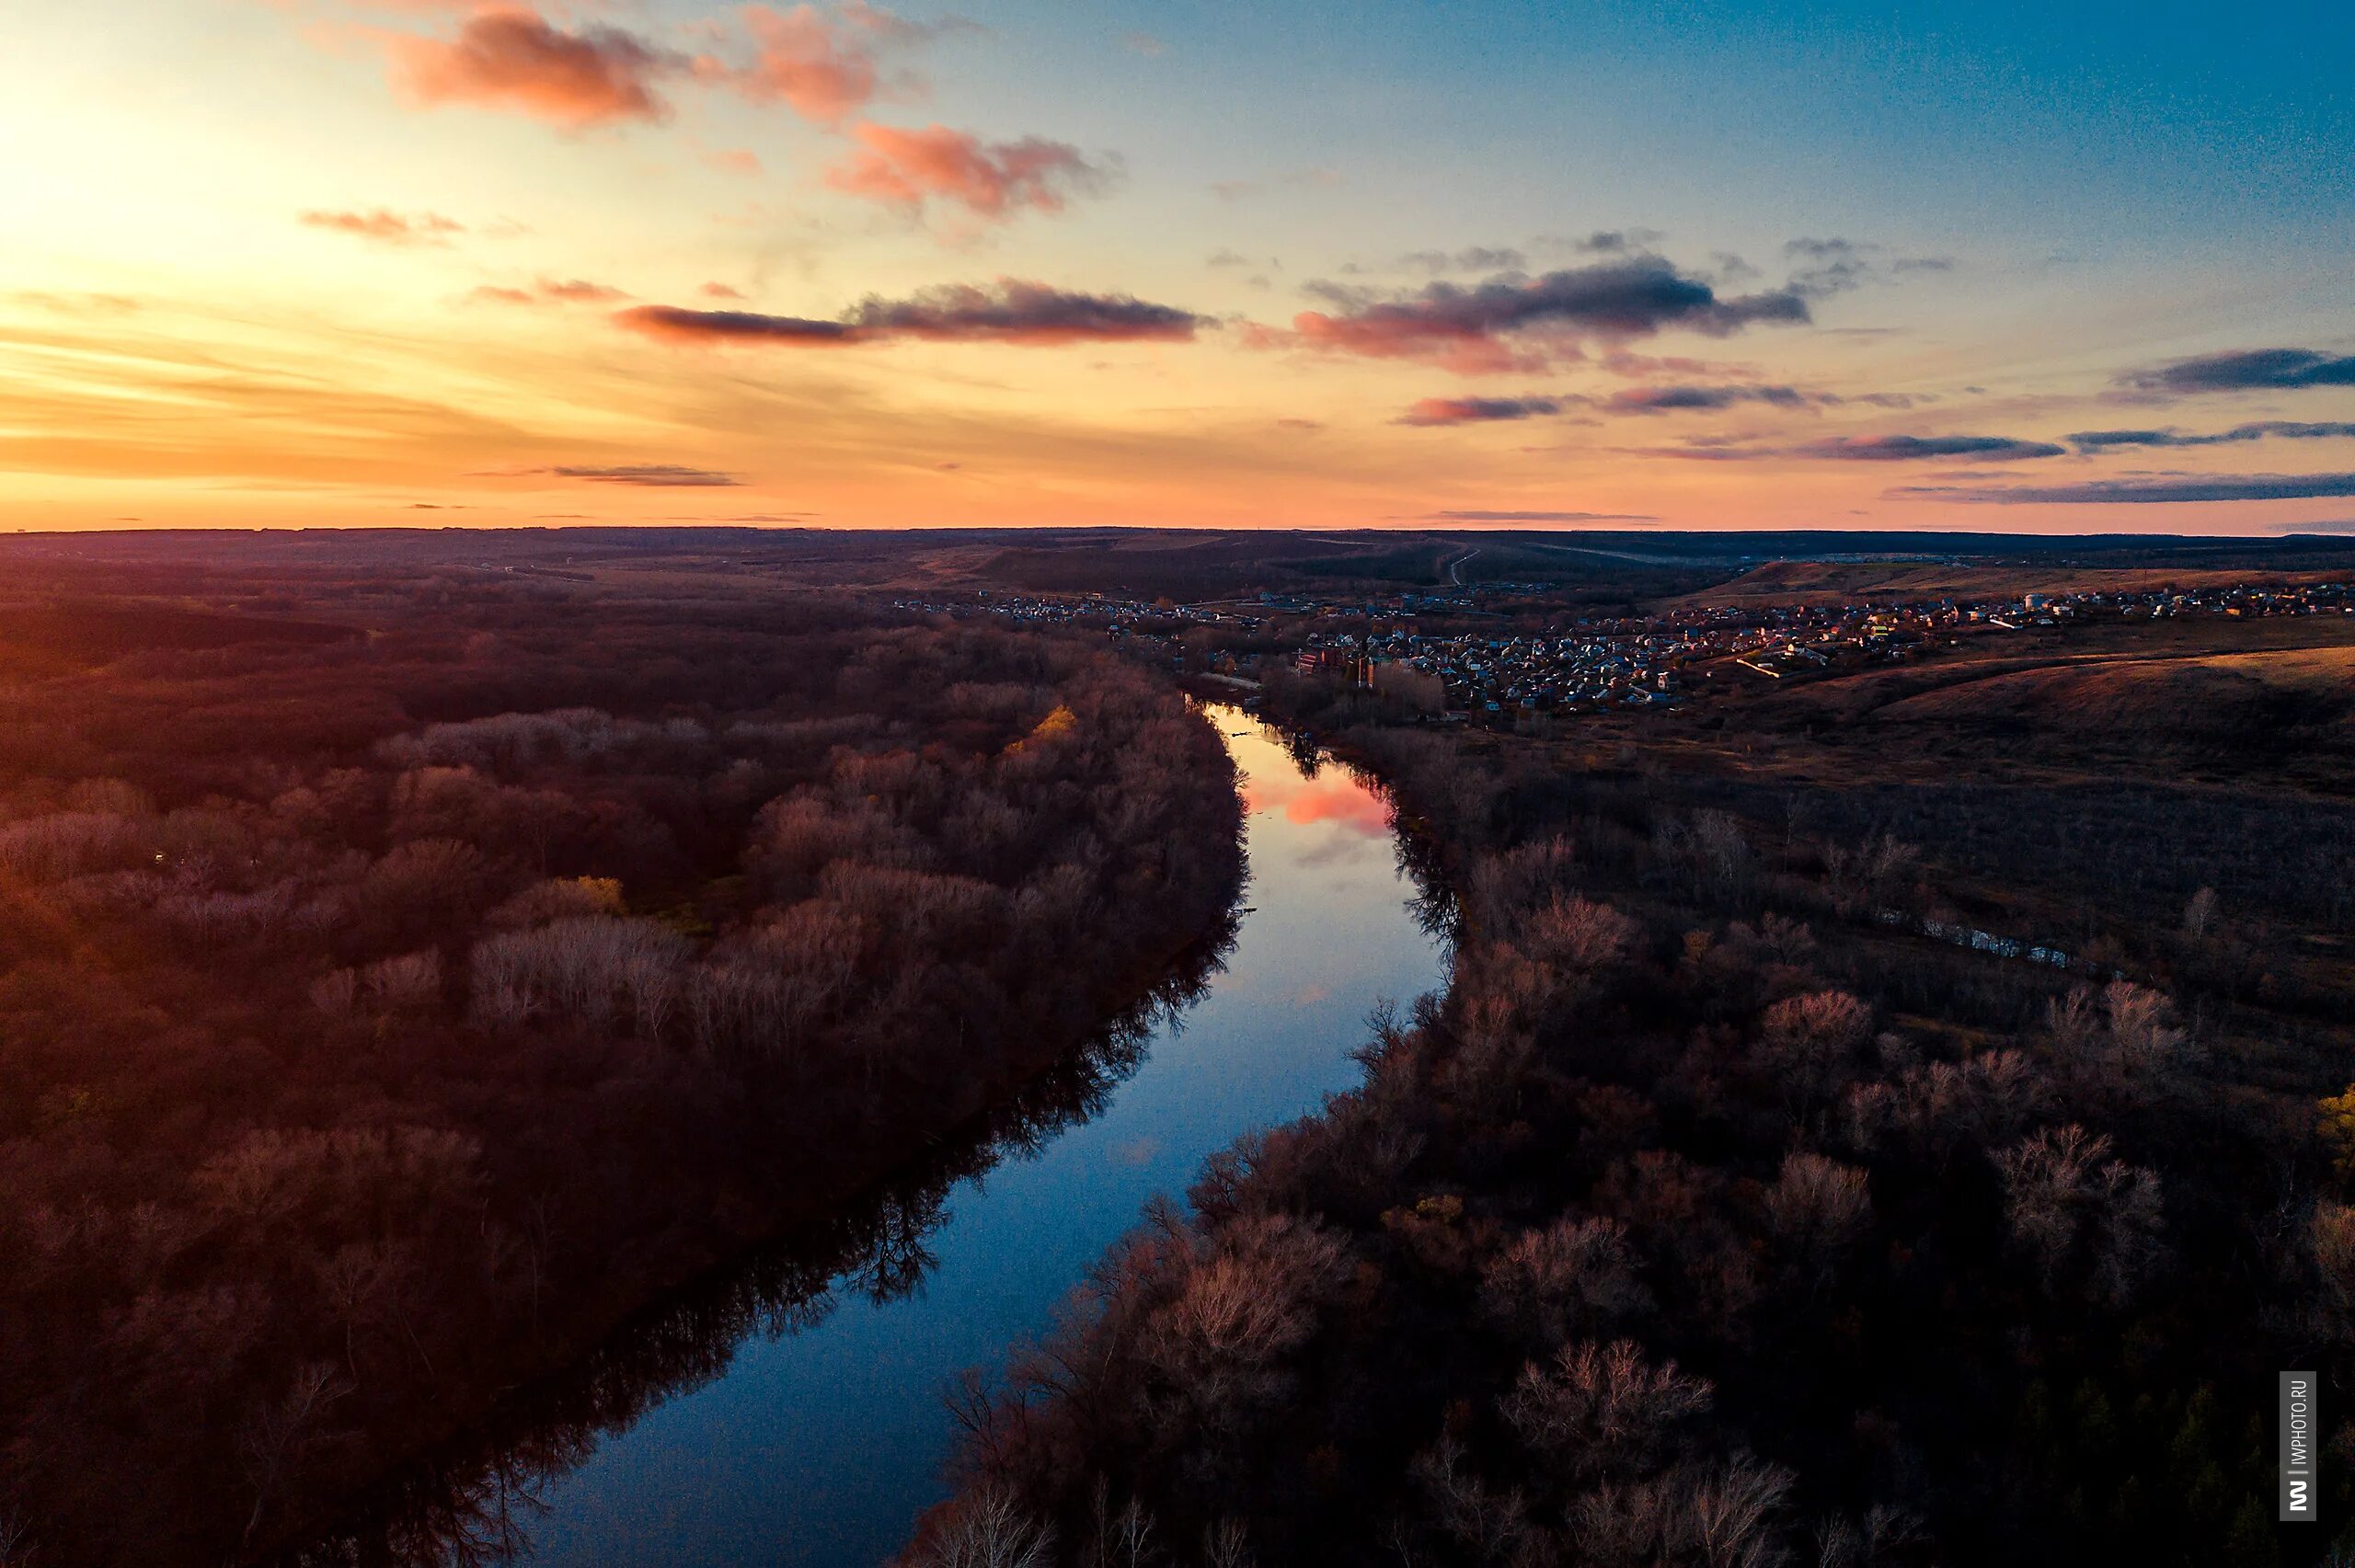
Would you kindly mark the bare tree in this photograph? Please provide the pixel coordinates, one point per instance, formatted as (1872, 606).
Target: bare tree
(1226, 1544)
(413, 979)
(1123, 1536)
(988, 1528)
(358, 1282)
(1576, 936)
(2064, 1194)
(1240, 1312)
(1881, 1536)
(1816, 1207)
(1729, 1515)
(1490, 1522)
(275, 1435)
(1575, 1277)
(582, 968)
(1596, 1409)
(1811, 1046)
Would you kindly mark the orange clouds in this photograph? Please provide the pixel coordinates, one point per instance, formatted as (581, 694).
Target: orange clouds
(990, 179)
(514, 59)
(734, 160)
(824, 69)
(826, 66)
(387, 227)
(1464, 351)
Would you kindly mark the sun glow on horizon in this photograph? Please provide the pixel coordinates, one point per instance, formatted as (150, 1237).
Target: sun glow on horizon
(335, 262)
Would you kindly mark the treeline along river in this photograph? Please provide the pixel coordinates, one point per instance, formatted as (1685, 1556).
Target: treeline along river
(794, 1411)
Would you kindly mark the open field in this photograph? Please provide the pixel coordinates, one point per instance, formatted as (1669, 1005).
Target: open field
(1850, 582)
(2264, 703)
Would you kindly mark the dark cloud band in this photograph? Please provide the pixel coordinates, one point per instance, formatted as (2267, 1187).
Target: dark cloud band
(2286, 429)
(1011, 311)
(2157, 489)
(2246, 370)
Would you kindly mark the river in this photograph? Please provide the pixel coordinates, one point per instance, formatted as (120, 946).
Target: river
(777, 1422)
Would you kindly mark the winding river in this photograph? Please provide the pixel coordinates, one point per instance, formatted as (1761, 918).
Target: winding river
(795, 1414)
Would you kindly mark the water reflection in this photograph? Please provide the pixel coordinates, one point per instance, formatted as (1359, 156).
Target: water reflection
(789, 1410)
(475, 1506)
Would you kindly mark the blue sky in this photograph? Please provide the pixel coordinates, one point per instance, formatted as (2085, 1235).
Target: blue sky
(342, 261)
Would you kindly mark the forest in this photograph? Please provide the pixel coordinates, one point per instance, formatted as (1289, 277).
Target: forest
(1735, 1205)
(407, 976)
(446, 1004)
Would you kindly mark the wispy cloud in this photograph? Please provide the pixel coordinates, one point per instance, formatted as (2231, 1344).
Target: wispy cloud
(1472, 258)
(550, 290)
(1858, 449)
(76, 303)
(1476, 410)
(827, 67)
(734, 160)
(655, 475)
(2259, 429)
(1825, 267)
(386, 227)
(1538, 517)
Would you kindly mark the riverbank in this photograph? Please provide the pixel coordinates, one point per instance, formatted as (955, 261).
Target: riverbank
(459, 1485)
(1191, 924)
(1707, 1219)
(791, 1412)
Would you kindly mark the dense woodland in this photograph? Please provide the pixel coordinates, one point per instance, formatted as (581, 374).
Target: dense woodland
(424, 958)
(402, 980)
(1720, 1213)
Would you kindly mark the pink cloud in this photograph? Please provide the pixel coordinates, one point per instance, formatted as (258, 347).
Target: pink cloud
(827, 67)
(579, 291)
(734, 160)
(511, 58)
(823, 69)
(995, 180)
(387, 227)
(551, 291)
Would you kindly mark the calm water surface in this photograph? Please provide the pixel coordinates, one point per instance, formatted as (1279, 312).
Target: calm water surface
(820, 1445)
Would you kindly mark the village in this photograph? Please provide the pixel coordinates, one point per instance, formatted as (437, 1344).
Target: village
(1417, 648)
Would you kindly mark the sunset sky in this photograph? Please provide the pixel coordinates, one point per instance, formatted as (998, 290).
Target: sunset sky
(2067, 267)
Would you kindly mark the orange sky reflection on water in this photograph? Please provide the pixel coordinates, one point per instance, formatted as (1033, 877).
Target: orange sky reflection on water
(1332, 796)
